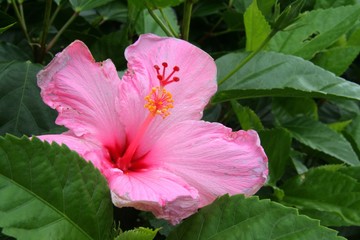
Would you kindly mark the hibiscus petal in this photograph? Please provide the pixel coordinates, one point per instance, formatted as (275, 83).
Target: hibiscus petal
(197, 83)
(84, 94)
(90, 151)
(212, 158)
(163, 193)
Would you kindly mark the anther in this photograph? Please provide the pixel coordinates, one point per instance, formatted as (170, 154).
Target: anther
(159, 101)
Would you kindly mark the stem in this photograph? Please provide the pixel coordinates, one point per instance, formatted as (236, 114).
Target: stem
(21, 18)
(57, 10)
(168, 23)
(248, 57)
(187, 18)
(45, 30)
(53, 41)
(159, 22)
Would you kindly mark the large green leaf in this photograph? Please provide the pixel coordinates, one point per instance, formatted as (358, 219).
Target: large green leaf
(314, 33)
(104, 47)
(276, 143)
(285, 109)
(10, 52)
(320, 137)
(332, 3)
(82, 5)
(236, 217)
(327, 194)
(276, 74)
(141, 4)
(22, 110)
(256, 27)
(146, 24)
(49, 192)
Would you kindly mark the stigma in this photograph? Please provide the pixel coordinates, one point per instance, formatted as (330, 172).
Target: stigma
(166, 79)
(159, 101)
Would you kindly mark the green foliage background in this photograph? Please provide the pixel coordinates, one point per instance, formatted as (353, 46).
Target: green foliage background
(288, 69)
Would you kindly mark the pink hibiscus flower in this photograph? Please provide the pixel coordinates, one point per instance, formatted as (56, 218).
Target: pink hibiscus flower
(144, 132)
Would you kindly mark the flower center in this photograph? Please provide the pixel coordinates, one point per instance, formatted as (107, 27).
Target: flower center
(158, 101)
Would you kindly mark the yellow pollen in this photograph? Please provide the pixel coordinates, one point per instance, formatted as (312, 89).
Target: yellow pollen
(159, 101)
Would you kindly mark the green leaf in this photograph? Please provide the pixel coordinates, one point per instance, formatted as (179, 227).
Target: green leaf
(339, 126)
(140, 233)
(115, 11)
(236, 217)
(48, 192)
(327, 194)
(22, 110)
(275, 74)
(82, 5)
(146, 24)
(104, 47)
(285, 109)
(332, 3)
(6, 21)
(10, 52)
(337, 59)
(320, 137)
(276, 143)
(353, 132)
(256, 27)
(246, 117)
(297, 159)
(141, 4)
(313, 34)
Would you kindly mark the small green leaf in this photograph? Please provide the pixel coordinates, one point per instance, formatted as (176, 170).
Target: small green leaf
(256, 27)
(246, 117)
(326, 193)
(297, 159)
(276, 143)
(275, 74)
(140, 233)
(48, 192)
(22, 110)
(313, 34)
(236, 217)
(320, 137)
(353, 132)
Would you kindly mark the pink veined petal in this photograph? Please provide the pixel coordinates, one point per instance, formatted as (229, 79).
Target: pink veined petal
(197, 72)
(166, 195)
(213, 159)
(84, 93)
(197, 83)
(90, 151)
